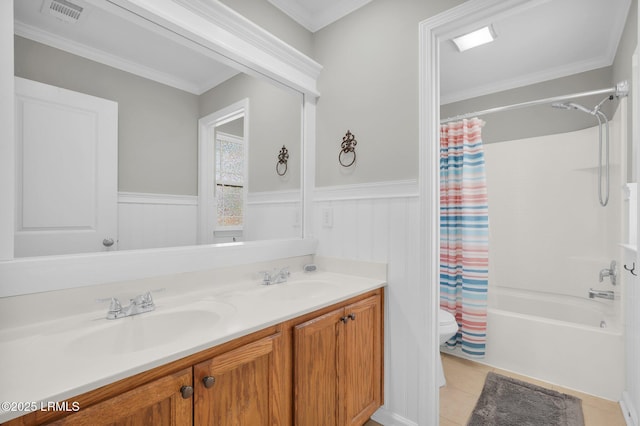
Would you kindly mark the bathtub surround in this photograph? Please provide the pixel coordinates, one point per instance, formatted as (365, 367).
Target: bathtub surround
(539, 198)
(464, 233)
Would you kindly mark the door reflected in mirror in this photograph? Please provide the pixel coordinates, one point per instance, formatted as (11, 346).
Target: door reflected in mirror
(163, 85)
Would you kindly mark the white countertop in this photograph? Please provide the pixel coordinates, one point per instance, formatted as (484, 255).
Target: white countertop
(57, 359)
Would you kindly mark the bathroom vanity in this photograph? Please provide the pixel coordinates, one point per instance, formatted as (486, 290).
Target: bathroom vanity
(215, 351)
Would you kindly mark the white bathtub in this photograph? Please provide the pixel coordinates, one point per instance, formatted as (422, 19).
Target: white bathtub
(558, 339)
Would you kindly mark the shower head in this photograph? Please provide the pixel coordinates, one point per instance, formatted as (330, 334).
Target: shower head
(561, 106)
(572, 105)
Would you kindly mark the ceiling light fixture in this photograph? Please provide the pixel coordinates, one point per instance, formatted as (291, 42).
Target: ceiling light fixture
(475, 38)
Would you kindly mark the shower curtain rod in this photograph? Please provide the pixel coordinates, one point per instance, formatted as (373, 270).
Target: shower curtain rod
(621, 89)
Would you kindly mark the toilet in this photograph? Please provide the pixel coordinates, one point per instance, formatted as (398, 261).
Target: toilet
(448, 327)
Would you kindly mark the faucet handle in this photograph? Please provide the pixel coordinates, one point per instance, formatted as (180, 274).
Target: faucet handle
(266, 276)
(115, 306)
(147, 300)
(144, 300)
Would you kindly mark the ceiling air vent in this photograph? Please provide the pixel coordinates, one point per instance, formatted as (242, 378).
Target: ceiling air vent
(63, 10)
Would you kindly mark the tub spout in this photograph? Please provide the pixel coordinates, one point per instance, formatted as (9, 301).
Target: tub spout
(601, 294)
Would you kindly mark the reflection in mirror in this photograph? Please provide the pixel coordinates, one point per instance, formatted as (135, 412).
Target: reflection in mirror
(161, 84)
(229, 158)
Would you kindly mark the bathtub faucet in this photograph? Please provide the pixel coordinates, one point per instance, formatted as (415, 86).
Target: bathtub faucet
(609, 272)
(602, 294)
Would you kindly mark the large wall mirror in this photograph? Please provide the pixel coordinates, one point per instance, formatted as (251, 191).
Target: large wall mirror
(162, 85)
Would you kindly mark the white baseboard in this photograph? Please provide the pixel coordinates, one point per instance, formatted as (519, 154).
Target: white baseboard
(628, 410)
(387, 418)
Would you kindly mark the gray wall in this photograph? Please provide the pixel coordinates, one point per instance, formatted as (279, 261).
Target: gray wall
(369, 85)
(157, 124)
(235, 127)
(540, 120)
(272, 19)
(274, 120)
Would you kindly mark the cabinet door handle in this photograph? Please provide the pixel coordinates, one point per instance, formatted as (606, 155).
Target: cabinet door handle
(352, 316)
(208, 381)
(344, 319)
(186, 392)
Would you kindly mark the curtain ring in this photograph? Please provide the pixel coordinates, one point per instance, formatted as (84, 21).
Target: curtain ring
(349, 143)
(283, 158)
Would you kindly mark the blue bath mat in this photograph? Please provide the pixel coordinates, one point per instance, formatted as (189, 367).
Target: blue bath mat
(506, 401)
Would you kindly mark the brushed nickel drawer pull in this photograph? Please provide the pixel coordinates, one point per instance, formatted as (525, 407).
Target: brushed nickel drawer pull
(186, 391)
(208, 381)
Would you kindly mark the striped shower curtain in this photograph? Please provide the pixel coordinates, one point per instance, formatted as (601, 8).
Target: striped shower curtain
(464, 233)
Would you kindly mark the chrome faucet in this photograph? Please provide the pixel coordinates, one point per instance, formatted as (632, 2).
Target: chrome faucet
(609, 272)
(275, 277)
(137, 305)
(601, 294)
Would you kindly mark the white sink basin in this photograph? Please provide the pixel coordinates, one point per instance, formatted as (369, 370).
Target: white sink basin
(150, 330)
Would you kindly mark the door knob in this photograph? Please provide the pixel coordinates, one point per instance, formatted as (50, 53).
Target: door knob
(186, 392)
(107, 242)
(208, 381)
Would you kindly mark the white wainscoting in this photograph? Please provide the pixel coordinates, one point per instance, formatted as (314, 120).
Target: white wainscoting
(379, 222)
(273, 215)
(156, 220)
(165, 220)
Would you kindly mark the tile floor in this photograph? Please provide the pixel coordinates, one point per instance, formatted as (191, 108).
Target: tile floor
(465, 380)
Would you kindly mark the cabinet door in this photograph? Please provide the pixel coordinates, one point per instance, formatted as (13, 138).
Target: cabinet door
(237, 387)
(361, 387)
(317, 355)
(157, 403)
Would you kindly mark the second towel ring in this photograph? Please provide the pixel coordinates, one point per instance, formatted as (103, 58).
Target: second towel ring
(349, 143)
(283, 158)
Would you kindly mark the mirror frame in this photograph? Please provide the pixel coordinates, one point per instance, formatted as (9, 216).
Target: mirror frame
(231, 39)
(433, 31)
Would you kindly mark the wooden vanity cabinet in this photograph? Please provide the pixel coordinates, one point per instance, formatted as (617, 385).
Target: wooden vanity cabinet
(338, 365)
(238, 387)
(159, 402)
(323, 368)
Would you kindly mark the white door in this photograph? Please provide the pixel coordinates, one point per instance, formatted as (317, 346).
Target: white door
(66, 171)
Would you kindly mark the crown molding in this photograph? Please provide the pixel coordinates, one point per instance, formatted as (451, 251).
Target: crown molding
(36, 34)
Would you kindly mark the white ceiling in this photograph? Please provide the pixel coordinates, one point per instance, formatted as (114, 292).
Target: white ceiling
(543, 40)
(316, 14)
